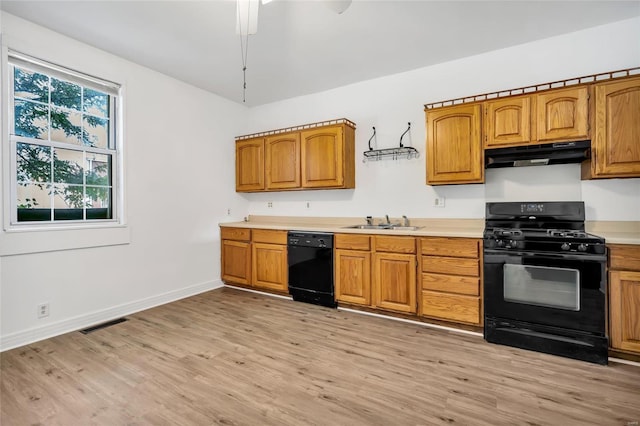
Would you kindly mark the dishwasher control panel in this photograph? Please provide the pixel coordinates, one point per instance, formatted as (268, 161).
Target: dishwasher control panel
(310, 239)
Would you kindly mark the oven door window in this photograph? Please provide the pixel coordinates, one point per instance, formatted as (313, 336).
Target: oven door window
(542, 286)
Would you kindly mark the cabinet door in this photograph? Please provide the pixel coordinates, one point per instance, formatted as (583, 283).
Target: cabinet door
(395, 282)
(282, 160)
(624, 310)
(322, 157)
(616, 143)
(353, 276)
(250, 165)
(508, 122)
(563, 114)
(454, 147)
(270, 266)
(236, 262)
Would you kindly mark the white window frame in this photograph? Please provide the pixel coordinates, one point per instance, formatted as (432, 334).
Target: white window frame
(32, 237)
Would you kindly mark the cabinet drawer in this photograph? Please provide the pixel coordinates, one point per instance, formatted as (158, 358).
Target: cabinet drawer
(269, 236)
(395, 244)
(454, 247)
(352, 242)
(452, 307)
(451, 265)
(624, 257)
(238, 234)
(451, 284)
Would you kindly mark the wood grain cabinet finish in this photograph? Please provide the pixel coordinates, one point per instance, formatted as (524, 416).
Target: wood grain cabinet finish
(250, 165)
(563, 114)
(394, 273)
(454, 145)
(615, 146)
(282, 161)
(353, 268)
(269, 266)
(320, 157)
(508, 122)
(323, 157)
(624, 297)
(236, 255)
(376, 271)
(353, 276)
(450, 283)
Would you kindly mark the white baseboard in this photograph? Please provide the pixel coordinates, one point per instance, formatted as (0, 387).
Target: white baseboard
(80, 322)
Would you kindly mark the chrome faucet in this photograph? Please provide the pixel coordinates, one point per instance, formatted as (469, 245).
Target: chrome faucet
(369, 220)
(406, 220)
(388, 221)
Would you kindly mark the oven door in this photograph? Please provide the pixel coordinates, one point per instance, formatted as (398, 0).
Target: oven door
(564, 290)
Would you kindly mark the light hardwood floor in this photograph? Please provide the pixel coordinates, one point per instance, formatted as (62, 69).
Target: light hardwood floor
(236, 358)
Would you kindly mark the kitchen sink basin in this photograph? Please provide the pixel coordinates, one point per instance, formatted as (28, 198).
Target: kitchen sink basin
(406, 228)
(384, 226)
(369, 227)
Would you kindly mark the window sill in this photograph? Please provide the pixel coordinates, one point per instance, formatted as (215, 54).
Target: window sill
(32, 240)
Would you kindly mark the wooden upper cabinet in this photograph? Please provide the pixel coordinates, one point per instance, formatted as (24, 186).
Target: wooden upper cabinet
(282, 161)
(250, 165)
(563, 114)
(317, 156)
(322, 157)
(508, 122)
(615, 147)
(454, 145)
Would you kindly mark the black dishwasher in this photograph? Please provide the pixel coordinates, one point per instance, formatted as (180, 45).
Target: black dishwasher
(310, 260)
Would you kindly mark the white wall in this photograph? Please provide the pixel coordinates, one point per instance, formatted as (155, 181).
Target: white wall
(388, 103)
(179, 184)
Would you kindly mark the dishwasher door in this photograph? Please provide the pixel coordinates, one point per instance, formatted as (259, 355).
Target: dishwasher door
(310, 261)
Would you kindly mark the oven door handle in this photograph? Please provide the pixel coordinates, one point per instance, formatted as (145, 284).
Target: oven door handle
(530, 255)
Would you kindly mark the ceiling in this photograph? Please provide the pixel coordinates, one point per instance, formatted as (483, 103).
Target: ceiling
(304, 47)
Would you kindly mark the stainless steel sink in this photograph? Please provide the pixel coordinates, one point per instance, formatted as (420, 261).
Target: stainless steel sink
(384, 226)
(369, 227)
(406, 228)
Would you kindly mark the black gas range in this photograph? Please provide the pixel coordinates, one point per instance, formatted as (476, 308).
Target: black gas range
(545, 280)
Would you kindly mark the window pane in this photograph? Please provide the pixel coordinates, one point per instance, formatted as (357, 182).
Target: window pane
(33, 203)
(96, 132)
(33, 163)
(95, 103)
(30, 85)
(66, 126)
(31, 120)
(98, 203)
(68, 196)
(67, 166)
(98, 169)
(65, 94)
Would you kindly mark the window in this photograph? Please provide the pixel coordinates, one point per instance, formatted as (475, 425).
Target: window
(64, 149)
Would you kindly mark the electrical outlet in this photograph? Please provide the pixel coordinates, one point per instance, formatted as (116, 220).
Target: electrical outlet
(438, 202)
(43, 310)
(270, 204)
(228, 212)
(308, 204)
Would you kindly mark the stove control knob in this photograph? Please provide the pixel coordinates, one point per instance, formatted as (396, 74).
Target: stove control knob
(513, 244)
(500, 243)
(582, 247)
(565, 246)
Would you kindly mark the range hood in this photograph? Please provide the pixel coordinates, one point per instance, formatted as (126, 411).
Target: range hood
(537, 155)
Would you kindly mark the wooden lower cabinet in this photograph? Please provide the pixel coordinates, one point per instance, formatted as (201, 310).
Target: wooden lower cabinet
(255, 258)
(450, 284)
(269, 266)
(236, 262)
(395, 282)
(353, 276)
(624, 298)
